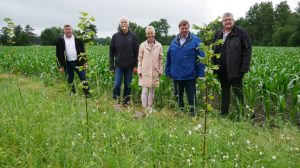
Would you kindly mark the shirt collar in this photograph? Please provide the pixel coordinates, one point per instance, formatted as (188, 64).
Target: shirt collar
(185, 36)
(150, 43)
(65, 37)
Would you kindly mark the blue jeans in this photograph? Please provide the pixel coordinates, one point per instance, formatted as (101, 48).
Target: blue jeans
(119, 74)
(71, 67)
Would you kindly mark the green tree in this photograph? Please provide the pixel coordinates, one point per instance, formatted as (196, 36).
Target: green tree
(8, 32)
(103, 41)
(161, 30)
(207, 31)
(241, 22)
(282, 27)
(49, 36)
(294, 39)
(4, 36)
(298, 9)
(21, 37)
(259, 21)
(138, 30)
(282, 13)
(161, 27)
(30, 35)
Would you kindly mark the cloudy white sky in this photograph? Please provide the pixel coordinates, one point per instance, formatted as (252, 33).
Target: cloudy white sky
(42, 14)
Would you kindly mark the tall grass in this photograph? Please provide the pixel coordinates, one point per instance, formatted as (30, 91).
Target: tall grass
(54, 134)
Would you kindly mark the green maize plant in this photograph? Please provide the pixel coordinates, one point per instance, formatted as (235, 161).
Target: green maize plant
(271, 87)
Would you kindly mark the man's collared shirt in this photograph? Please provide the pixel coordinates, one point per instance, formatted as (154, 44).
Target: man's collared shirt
(183, 39)
(70, 48)
(225, 35)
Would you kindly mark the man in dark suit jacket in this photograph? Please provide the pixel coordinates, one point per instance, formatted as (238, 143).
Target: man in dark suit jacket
(71, 56)
(234, 62)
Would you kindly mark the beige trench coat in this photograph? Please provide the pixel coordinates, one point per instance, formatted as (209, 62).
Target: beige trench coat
(150, 64)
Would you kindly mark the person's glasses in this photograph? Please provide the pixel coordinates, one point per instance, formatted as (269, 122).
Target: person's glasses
(227, 20)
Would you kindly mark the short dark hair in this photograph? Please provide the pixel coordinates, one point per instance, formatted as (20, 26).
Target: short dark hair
(67, 25)
(183, 23)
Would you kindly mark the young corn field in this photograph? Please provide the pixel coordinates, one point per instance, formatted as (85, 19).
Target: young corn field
(41, 126)
(272, 88)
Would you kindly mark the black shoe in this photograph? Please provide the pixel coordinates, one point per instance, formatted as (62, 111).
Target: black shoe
(125, 103)
(73, 90)
(223, 113)
(252, 116)
(88, 95)
(192, 115)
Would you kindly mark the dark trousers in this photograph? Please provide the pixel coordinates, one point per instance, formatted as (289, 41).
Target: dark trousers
(237, 87)
(70, 68)
(190, 87)
(119, 74)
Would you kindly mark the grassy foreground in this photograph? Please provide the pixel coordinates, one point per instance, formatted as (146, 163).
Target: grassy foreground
(48, 129)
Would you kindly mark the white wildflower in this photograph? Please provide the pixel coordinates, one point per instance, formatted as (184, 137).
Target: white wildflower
(274, 157)
(189, 162)
(225, 157)
(199, 126)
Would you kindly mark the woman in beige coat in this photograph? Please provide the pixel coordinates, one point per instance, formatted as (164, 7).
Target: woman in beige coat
(150, 67)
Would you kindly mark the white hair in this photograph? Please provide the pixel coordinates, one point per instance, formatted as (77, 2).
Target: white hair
(124, 18)
(149, 28)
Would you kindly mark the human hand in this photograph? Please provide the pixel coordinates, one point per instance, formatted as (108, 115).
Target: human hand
(61, 70)
(85, 66)
(135, 70)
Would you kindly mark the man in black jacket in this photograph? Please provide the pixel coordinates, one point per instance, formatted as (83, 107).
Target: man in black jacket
(123, 58)
(70, 55)
(234, 62)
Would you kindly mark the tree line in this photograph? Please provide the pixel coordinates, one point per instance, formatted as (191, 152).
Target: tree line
(272, 27)
(266, 25)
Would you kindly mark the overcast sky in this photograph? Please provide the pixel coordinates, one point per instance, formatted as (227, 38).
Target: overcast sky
(42, 14)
